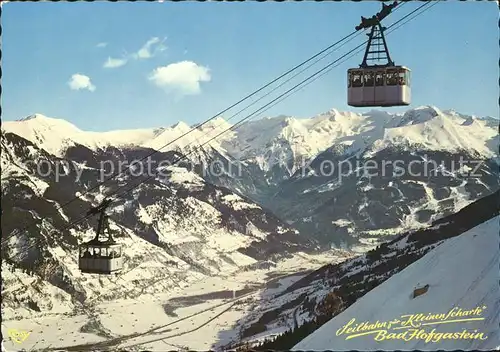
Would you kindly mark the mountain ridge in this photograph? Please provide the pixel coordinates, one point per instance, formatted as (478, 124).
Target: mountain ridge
(344, 123)
(278, 163)
(201, 228)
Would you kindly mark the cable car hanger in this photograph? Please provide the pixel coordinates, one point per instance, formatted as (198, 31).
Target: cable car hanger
(376, 36)
(103, 220)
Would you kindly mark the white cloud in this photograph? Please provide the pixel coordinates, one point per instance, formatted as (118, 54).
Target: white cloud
(183, 77)
(145, 51)
(79, 81)
(102, 45)
(113, 63)
(150, 49)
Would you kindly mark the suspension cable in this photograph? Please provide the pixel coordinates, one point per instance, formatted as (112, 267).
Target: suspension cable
(260, 110)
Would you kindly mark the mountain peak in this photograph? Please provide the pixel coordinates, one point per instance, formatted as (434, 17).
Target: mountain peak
(430, 109)
(288, 121)
(39, 121)
(333, 112)
(217, 123)
(47, 121)
(420, 114)
(33, 117)
(180, 125)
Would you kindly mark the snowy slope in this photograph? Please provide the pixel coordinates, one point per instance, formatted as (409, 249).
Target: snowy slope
(279, 163)
(462, 272)
(56, 135)
(175, 230)
(184, 228)
(202, 134)
(315, 299)
(278, 140)
(431, 129)
(267, 141)
(400, 172)
(187, 318)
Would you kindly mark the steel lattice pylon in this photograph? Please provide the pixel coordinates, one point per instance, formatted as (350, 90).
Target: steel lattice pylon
(376, 48)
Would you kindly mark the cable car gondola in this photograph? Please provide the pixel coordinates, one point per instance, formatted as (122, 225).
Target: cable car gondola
(97, 256)
(382, 85)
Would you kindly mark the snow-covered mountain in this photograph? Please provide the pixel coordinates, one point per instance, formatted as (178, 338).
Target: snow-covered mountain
(400, 172)
(57, 135)
(461, 274)
(451, 246)
(175, 230)
(266, 204)
(271, 142)
(342, 178)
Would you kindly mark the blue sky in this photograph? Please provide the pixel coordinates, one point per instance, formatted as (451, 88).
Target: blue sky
(206, 56)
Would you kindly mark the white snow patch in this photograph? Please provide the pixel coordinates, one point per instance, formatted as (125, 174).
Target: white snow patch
(462, 272)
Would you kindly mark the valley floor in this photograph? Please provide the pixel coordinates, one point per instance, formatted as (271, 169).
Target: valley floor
(202, 316)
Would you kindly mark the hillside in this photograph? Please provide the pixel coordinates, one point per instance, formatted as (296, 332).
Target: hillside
(317, 173)
(253, 234)
(400, 172)
(175, 230)
(282, 320)
(462, 273)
